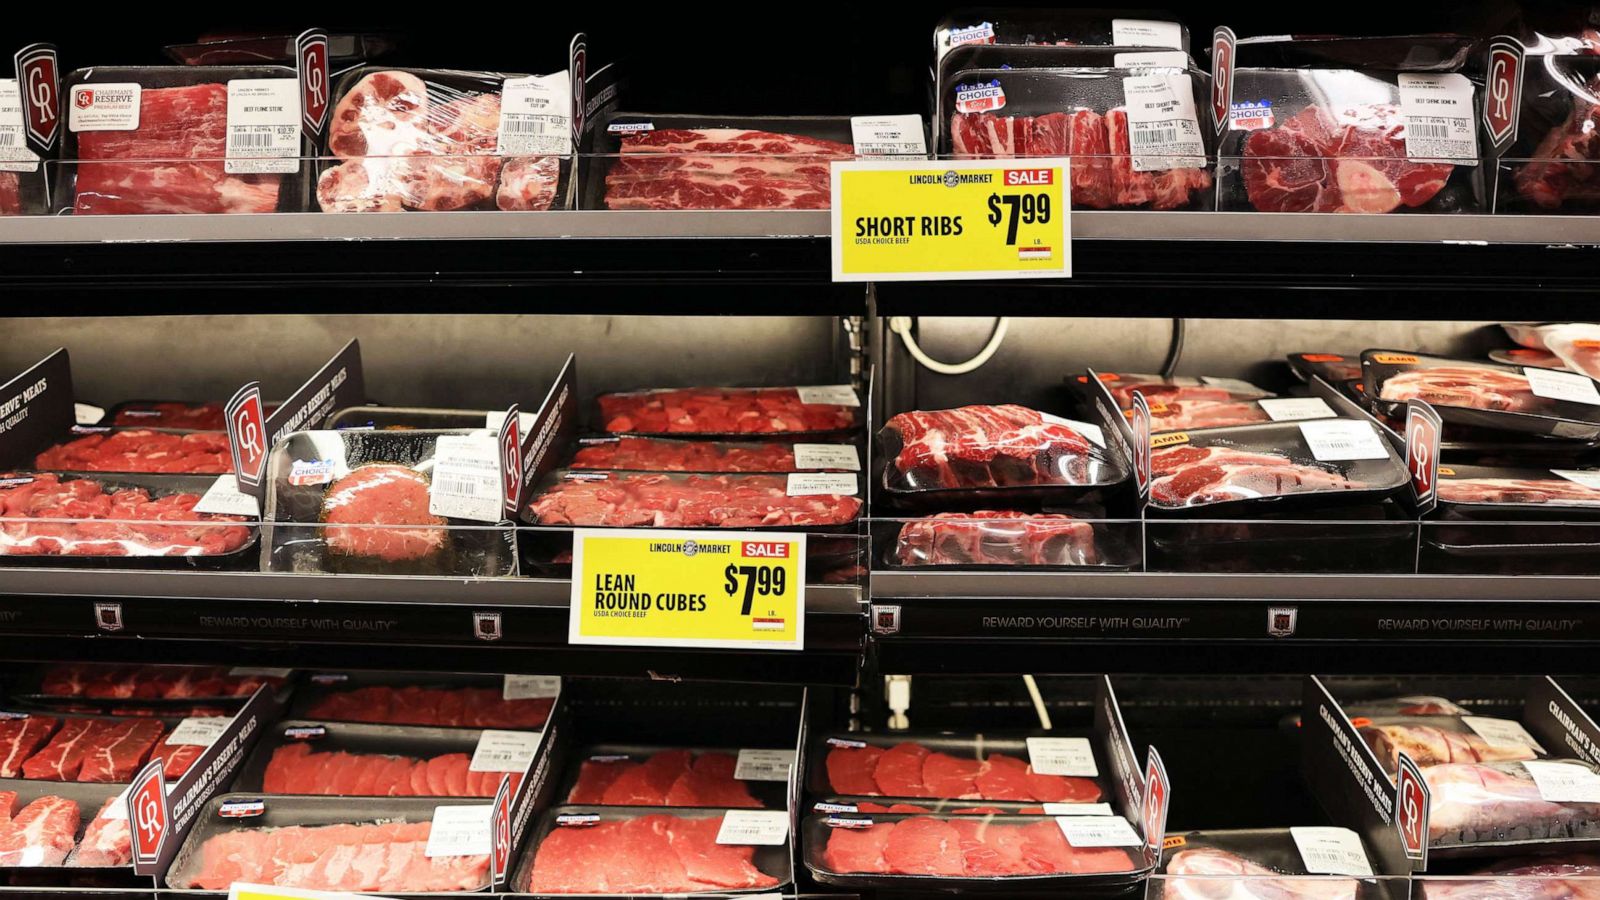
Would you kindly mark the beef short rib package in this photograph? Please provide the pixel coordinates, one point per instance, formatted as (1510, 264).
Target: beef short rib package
(1365, 125)
(739, 413)
(363, 502)
(1017, 27)
(1135, 136)
(652, 454)
(437, 139)
(182, 139)
(715, 162)
(1256, 862)
(1485, 394)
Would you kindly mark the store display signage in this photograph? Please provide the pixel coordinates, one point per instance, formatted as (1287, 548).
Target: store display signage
(951, 219)
(242, 891)
(662, 588)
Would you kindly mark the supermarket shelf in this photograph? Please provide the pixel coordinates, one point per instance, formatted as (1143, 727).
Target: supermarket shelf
(385, 621)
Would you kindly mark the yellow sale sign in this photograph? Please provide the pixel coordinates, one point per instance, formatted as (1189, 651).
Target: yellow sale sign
(654, 588)
(242, 891)
(896, 220)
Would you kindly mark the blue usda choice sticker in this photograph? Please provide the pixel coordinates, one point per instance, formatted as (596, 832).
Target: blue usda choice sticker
(975, 98)
(981, 33)
(577, 820)
(242, 809)
(303, 472)
(1250, 115)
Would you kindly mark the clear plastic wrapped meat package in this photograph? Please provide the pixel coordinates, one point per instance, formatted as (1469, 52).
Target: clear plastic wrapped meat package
(1572, 345)
(361, 502)
(435, 700)
(1265, 862)
(142, 451)
(635, 453)
(443, 139)
(1012, 27)
(988, 538)
(1529, 802)
(1547, 159)
(1486, 394)
(630, 774)
(1432, 740)
(181, 139)
(1363, 125)
(734, 413)
(925, 766)
(676, 161)
(1513, 520)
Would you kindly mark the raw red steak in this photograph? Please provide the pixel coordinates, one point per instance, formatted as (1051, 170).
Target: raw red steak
(851, 770)
(910, 770)
(180, 416)
(1475, 387)
(1193, 476)
(642, 454)
(172, 163)
(118, 682)
(1353, 160)
(669, 778)
(720, 411)
(858, 849)
(387, 857)
(656, 854)
(135, 528)
(118, 749)
(20, 739)
(693, 501)
(10, 194)
(988, 446)
(965, 848)
(721, 168)
(140, 451)
(108, 841)
(1562, 167)
(899, 772)
(445, 707)
(296, 769)
(996, 538)
(369, 500)
(41, 834)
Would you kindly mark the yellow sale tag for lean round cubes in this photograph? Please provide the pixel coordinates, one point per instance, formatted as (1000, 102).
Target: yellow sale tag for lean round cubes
(652, 588)
(951, 219)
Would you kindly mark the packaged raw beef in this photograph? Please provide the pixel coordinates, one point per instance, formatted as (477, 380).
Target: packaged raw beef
(314, 757)
(1257, 862)
(1004, 538)
(1017, 27)
(637, 775)
(139, 450)
(49, 519)
(319, 843)
(1489, 491)
(1177, 389)
(1135, 136)
(362, 501)
(947, 767)
(1574, 345)
(405, 418)
(649, 454)
(1223, 472)
(731, 411)
(48, 826)
(598, 850)
(993, 453)
(1485, 394)
(92, 749)
(171, 415)
(145, 683)
(1543, 146)
(1434, 740)
(1363, 125)
(673, 500)
(716, 162)
(1508, 803)
(157, 140)
(1575, 876)
(401, 700)
(436, 139)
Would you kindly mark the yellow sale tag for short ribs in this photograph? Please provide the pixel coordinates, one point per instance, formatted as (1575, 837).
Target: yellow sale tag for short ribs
(951, 219)
(650, 588)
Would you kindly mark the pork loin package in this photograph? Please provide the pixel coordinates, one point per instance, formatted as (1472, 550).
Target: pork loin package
(440, 139)
(989, 538)
(308, 842)
(641, 851)
(182, 139)
(1486, 394)
(365, 501)
(1545, 154)
(124, 521)
(649, 161)
(732, 412)
(980, 768)
(1501, 803)
(1135, 135)
(1366, 125)
(1017, 27)
(651, 454)
(1260, 862)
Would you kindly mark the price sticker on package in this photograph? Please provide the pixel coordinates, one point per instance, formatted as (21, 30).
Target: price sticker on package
(1098, 831)
(709, 589)
(764, 765)
(1332, 851)
(460, 831)
(531, 687)
(1062, 756)
(505, 751)
(1503, 734)
(1564, 782)
(198, 732)
(760, 827)
(951, 219)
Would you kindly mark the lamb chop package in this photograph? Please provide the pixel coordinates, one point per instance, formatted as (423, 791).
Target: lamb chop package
(441, 139)
(737, 413)
(660, 161)
(1505, 520)
(1017, 27)
(1255, 862)
(387, 502)
(1135, 134)
(651, 454)
(1540, 131)
(1485, 394)
(1366, 125)
(182, 139)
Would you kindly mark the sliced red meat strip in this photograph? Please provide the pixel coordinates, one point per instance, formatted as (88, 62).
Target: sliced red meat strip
(924, 846)
(41, 834)
(721, 168)
(899, 771)
(851, 850)
(949, 777)
(19, 740)
(851, 770)
(648, 783)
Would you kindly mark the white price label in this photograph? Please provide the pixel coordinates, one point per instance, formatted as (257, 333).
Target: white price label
(103, 107)
(829, 395)
(888, 136)
(1079, 809)
(1339, 440)
(493, 419)
(198, 732)
(1568, 386)
(536, 116)
(760, 827)
(1438, 112)
(1146, 33)
(505, 751)
(1163, 127)
(805, 484)
(1151, 59)
(1293, 409)
(1089, 430)
(1098, 831)
(263, 126)
(14, 153)
(764, 765)
(827, 456)
(531, 687)
(224, 498)
(466, 478)
(1502, 733)
(460, 831)
(1062, 756)
(1589, 478)
(1564, 782)
(86, 414)
(1332, 851)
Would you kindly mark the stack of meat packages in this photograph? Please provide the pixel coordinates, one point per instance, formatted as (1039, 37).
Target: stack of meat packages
(907, 810)
(349, 787)
(63, 775)
(1119, 96)
(1359, 125)
(996, 486)
(125, 489)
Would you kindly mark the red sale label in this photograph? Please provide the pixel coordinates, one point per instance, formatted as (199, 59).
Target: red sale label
(1026, 177)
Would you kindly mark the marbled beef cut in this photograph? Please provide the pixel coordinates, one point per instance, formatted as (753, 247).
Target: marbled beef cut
(1350, 160)
(722, 168)
(359, 509)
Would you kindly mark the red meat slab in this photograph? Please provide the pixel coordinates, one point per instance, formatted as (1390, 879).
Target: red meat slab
(19, 740)
(851, 769)
(359, 507)
(649, 783)
(924, 846)
(858, 849)
(947, 776)
(118, 749)
(41, 834)
(899, 772)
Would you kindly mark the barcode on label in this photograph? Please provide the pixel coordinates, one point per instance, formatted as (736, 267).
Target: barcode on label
(889, 149)
(1432, 129)
(524, 125)
(1156, 135)
(246, 140)
(8, 139)
(466, 487)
